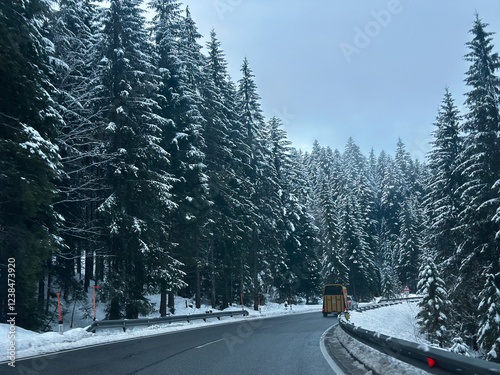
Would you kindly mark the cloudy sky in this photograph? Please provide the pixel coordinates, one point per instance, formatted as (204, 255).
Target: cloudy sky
(331, 69)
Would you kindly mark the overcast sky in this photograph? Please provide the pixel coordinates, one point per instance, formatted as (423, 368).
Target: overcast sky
(331, 69)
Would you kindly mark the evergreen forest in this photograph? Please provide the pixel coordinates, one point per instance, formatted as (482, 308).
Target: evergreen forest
(129, 159)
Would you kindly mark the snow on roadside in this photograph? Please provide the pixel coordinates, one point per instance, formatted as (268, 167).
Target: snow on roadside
(28, 343)
(396, 321)
(377, 362)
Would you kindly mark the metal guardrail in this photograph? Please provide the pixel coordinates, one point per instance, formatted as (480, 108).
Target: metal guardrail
(443, 359)
(395, 301)
(400, 299)
(125, 323)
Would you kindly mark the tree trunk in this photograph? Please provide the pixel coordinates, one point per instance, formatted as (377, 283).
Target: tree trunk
(171, 301)
(212, 291)
(49, 282)
(198, 287)
(255, 271)
(163, 305)
(198, 273)
(41, 291)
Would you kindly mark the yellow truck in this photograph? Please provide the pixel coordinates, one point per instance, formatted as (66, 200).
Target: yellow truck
(334, 299)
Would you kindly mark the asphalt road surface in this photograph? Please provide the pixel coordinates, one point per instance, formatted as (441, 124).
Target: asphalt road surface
(287, 344)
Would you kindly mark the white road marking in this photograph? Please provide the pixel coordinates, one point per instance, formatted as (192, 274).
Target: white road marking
(336, 369)
(209, 343)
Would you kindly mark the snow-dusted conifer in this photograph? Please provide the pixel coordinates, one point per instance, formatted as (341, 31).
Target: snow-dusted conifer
(489, 318)
(355, 204)
(435, 306)
(442, 202)
(29, 157)
(263, 184)
(296, 256)
(409, 242)
(458, 346)
(479, 249)
(134, 212)
(227, 160)
(180, 63)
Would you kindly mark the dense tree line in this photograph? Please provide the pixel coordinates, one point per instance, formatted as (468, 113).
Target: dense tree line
(131, 160)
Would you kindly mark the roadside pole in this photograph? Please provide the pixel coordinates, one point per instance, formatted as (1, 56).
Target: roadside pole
(60, 315)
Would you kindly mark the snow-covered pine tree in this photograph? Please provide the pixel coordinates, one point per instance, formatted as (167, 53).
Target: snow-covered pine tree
(458, 346)
(309, 270)
(404, 168)
(180, 64)
(29, 158)
(259, 174)
(479, 250)
(356, 207)
(389, 198)
(228, 163)
(408, 226)
(409, 242)
(442, 203)
(354, 247)
(297, 255)
(489, 318)
(334, 269)
(435, 306)
(134, 213)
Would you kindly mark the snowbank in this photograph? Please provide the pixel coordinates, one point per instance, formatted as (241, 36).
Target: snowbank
(397, 321)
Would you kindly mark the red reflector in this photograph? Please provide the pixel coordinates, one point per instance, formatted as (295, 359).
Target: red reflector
(431, 362)
(323, 310)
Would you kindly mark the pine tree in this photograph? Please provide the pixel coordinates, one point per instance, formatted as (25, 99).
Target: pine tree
(134, 213)
(386, 231)
(489, 318)
(180, 64)
(334, 268)
(435, 306)
(29, 158)
(227, 160)
(458, 346)
(260, 222)
(296, 253)
(356, 207)
(481, 154)
(409, 243)
(479, 250)
(442, 202)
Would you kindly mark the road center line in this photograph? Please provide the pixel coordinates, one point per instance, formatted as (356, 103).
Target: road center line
(209, 343)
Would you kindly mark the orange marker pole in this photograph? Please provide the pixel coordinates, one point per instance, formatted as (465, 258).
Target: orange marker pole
(242, 307)
(60, 315)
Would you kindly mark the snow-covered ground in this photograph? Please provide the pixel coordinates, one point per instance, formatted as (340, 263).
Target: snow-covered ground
(28, 343)
(397, 321)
